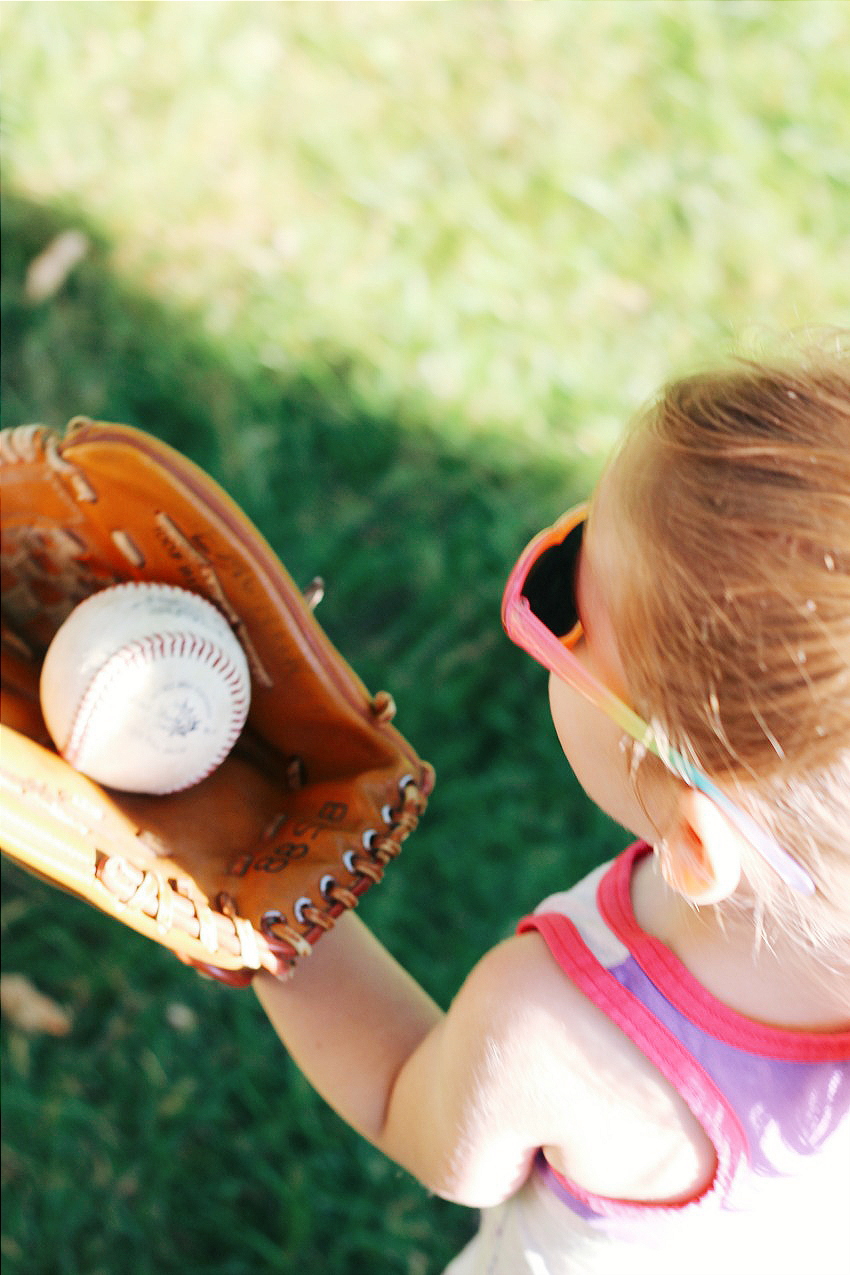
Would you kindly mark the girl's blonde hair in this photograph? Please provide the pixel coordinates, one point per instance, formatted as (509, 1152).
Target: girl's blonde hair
(734, 622)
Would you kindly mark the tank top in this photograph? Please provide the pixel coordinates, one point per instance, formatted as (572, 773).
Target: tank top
(774, 1103)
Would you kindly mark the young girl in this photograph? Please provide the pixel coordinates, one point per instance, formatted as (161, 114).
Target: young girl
(653, 1075)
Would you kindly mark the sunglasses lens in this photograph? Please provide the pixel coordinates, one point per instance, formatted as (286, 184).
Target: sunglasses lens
(549, 586)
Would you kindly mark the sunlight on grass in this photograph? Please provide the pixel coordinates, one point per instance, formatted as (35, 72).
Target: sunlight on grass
(514, 218)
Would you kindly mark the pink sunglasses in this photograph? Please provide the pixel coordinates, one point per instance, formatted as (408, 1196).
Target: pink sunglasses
(540, 615)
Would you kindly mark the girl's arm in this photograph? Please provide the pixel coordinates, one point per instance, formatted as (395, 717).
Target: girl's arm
(428, 1089)
(463, 1100)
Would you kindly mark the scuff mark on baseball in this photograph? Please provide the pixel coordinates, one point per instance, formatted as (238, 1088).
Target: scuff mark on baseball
(145, 688)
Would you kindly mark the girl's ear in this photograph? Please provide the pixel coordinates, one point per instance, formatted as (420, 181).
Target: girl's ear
(703, 851)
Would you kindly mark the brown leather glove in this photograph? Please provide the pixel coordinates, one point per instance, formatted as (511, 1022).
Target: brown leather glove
(247, 869)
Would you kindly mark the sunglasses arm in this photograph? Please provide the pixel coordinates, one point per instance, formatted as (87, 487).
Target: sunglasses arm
(523, 628)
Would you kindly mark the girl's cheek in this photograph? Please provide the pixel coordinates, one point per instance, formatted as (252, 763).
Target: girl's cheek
(592, 744)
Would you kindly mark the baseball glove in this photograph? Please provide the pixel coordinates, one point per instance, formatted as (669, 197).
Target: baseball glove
(250, 867)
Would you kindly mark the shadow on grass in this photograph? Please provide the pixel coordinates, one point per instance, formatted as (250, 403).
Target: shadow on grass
(137, 1145)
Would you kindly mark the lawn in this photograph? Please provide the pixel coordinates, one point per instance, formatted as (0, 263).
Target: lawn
(395, 274)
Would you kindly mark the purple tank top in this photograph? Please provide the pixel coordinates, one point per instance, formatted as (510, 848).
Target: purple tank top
(770, 1099)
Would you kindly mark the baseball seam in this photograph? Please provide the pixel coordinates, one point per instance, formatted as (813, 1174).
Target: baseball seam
(150, 649)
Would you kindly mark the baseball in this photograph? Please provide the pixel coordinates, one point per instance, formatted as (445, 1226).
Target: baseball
(145, 688)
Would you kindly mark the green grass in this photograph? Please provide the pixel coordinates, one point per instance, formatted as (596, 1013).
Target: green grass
(395, 274)
(495, 213)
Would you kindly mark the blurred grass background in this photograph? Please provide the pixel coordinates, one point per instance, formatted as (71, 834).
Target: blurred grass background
(396, 274)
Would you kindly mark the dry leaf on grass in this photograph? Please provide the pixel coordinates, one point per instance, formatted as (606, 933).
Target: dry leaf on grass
(49, 270)
(28, 1008)
(181, 1017)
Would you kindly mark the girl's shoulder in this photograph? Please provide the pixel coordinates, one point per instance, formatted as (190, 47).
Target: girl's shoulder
(603, 1113)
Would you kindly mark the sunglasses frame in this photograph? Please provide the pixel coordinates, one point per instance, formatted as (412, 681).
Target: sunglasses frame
(553, 653)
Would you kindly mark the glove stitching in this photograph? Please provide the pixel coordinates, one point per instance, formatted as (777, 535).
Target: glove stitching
(171, 532)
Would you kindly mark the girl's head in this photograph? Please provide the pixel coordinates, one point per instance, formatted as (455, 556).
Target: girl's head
(722, 531)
